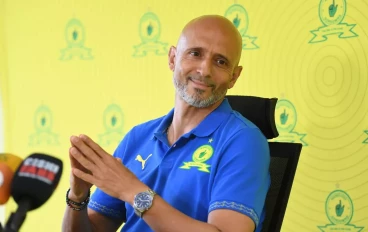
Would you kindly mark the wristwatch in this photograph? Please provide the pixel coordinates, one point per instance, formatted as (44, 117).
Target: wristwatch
(143, 201)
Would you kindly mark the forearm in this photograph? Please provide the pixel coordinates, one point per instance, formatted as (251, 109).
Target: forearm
(76, 221)
(162, 217)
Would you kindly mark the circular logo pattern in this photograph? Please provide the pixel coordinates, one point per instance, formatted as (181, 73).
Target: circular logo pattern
(113, 118)
(43, 119)
(203, 153)
(285, 114)
(239, 16)
(339, 208)
(332, 12)
(149, 27)
(74, 33)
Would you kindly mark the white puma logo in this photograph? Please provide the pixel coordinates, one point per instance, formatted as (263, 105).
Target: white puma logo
(140, 159)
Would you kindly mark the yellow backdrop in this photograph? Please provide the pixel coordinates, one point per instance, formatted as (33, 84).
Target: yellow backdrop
(100, 67)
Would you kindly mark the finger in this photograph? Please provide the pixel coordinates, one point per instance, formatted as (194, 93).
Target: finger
(73, 161)
(86, 150)
(81, 159)
(84, 176)
(101, 152)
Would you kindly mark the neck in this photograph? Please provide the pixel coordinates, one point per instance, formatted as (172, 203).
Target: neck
(186, 118)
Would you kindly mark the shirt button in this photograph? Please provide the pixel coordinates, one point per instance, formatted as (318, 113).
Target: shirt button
(174, 145)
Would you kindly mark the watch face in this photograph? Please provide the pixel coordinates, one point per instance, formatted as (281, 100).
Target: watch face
(143, 200)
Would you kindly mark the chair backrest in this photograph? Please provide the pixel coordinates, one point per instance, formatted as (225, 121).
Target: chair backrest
(284, 156)
(284, 161)
(260, 111)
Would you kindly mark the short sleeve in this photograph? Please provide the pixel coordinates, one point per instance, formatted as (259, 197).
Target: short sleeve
(104, 203)
(242, 176)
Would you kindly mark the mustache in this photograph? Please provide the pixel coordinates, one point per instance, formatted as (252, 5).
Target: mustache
(204, 80)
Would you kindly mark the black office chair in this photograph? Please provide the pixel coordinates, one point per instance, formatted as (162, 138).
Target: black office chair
(284, 156)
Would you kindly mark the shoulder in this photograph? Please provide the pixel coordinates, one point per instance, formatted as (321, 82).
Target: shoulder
(239, 139)
(138, 133)
(148, 127)
(239, 128)
(241, 121)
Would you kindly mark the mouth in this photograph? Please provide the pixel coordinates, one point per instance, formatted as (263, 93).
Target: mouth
(199, 83)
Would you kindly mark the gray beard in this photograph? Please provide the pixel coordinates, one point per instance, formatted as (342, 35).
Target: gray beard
(196, 99)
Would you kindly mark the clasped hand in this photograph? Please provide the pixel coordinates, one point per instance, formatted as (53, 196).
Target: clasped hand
(103, 170)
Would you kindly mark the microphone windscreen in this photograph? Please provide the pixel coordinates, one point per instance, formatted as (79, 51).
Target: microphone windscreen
(36, 179)
(8, 165)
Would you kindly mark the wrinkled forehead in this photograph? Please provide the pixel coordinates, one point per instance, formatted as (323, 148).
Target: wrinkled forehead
(213, 39)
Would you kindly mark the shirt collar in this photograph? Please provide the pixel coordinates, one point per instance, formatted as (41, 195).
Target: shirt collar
(165, 123)
(213, 120)
(205, 128)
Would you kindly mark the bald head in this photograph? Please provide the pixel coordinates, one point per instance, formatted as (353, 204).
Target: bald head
(220, 29)
(205, 62)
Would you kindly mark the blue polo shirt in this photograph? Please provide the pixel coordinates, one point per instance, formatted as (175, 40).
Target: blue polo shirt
(221, 164)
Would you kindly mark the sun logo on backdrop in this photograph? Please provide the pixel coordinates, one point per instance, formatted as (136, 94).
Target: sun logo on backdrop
(239, 16)
(331, 14)
(286, 120)
(339, 210)
(113, 124)
(150, 32)
(75, 37)
(43, 122)
(366, 140)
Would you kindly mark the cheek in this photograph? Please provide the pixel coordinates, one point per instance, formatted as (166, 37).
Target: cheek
(222, 79)
(182, 71)
(222, 86)
(187, 66)
(177, 73)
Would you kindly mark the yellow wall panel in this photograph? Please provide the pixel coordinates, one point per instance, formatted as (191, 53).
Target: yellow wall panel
(100, 68)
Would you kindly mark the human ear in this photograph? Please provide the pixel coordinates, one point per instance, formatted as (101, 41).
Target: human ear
(236, 74)
(171, 56)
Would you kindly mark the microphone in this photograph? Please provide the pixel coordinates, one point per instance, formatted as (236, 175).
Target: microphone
(8, 165)
(34, 182)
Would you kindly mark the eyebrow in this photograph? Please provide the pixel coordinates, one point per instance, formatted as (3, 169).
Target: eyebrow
(216, 54)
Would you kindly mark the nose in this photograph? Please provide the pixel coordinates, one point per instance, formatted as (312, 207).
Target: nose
(204, 68)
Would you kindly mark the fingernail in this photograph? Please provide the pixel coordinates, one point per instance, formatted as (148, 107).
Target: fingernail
(75, 139)
(73, 150)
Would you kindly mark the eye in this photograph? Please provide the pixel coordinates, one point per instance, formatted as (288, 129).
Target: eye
(194, 53)
(221, 62)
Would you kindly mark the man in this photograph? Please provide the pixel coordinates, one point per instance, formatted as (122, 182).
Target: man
(202, 167)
